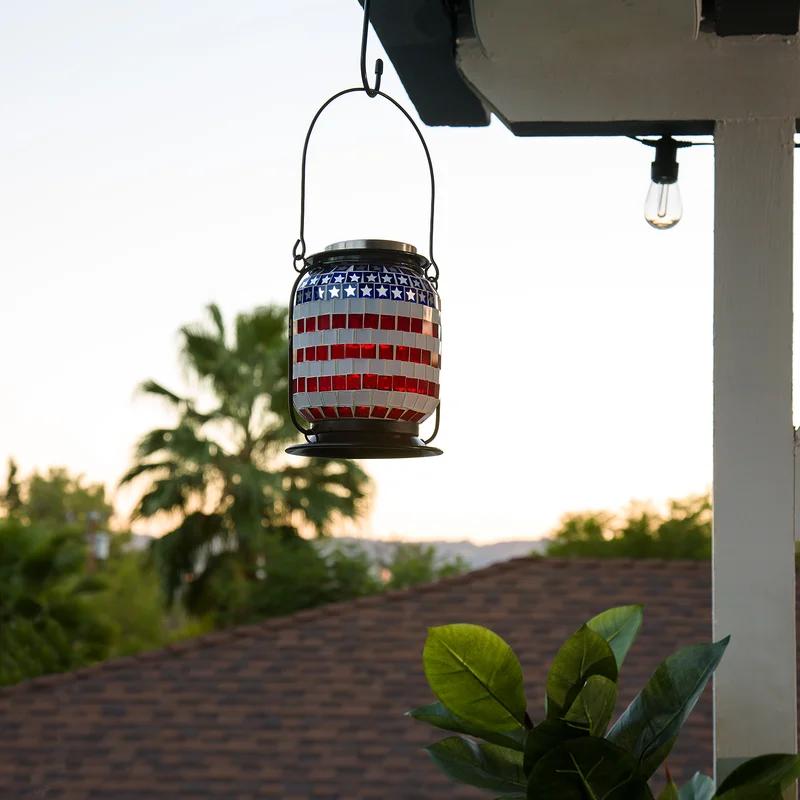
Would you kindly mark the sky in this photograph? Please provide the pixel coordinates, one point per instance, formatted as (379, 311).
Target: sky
(151, 161)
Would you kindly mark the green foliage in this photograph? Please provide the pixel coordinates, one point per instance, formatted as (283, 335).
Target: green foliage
(583, 655)
(486, 766)
(685, 532)
(594, 705)
(133, 603)
(48, 620)
(587, 768)
(619, 627)
(291, 574)
(476, 675)
(413, 563)
(652, 720)
(11, 498)
(56, 498)
(220, 468)
(772, 772)
(438, 715)
(700, 787)
(477, 679)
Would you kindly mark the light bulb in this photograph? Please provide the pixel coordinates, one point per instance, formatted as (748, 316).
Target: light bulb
(663, 207)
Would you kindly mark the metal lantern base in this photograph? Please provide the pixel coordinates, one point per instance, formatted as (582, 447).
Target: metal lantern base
(364, 438)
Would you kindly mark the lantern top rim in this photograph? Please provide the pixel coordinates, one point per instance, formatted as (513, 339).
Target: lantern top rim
(372, 244)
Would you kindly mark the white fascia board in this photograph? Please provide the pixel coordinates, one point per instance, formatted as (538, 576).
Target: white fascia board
(537, 61)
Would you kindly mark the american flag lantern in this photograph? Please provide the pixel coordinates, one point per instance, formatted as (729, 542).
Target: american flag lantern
(365, 334)
(365, 351)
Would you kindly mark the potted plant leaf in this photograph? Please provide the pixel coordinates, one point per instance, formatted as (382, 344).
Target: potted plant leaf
(574, 752)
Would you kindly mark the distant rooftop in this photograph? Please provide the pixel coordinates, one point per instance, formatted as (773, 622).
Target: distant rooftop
(311, 706)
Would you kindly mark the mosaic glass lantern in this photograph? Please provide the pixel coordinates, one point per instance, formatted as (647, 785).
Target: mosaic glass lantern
(365, 351)
(364, 331)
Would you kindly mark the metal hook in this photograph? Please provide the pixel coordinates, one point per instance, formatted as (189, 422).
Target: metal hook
(378, 63)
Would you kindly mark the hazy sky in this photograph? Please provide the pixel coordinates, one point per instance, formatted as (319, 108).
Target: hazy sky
(150, 164)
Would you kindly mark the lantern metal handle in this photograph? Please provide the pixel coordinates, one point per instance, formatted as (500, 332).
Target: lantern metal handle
(299, 249)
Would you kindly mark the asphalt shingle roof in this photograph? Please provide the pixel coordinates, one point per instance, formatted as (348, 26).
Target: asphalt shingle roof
(311, 706)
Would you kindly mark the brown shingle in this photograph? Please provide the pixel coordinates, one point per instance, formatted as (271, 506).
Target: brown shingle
(311, 706)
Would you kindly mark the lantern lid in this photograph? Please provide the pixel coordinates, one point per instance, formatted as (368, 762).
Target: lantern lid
(372, 244)
(366, 249)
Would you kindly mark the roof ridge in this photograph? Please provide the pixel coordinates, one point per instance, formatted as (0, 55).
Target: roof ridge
(327, 610)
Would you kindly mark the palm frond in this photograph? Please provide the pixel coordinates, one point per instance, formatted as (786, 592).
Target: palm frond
(154, 388)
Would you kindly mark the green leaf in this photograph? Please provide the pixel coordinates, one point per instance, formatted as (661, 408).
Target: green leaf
(670, 792)
(619, 627)
(594, 706)
(483, 765)
(587, 769)
(700, 787)
(584, 654)
(753, 793)
(476, 675)
(440, 716)
(656, 714)
(546, 736)
(775, 770)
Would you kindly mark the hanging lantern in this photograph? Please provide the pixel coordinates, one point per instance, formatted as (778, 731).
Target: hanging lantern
(366, 351)
(364, 334)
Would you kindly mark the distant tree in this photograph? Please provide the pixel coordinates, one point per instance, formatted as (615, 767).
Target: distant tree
(413, 563)
(12, 497)
(57, 498)
(220, 468)
(132, 602)
(49, 621)
(683, 532)
(292, 574)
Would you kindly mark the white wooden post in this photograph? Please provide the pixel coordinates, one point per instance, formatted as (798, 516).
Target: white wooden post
(754, 578)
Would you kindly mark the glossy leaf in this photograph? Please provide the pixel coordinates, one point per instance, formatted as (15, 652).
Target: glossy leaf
(483, 765)
(775, 770)
(587, 769)
(657, 713)
(476, 675)
(584, 654)
(700, 787)
(619, 627)
(440, 716)
(546, 736)
(594, 706)
(753, 793)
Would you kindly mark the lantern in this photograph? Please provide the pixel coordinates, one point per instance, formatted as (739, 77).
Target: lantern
(364, 333)
(365, 351)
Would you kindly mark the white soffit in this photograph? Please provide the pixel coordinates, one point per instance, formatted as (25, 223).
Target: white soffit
(616, 60)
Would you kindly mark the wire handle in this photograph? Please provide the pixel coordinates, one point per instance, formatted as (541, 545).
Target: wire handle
(299, 249)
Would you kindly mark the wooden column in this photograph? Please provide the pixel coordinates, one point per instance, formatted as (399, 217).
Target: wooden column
(754, 577)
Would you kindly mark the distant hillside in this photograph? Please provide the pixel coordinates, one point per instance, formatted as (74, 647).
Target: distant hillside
(476, 556)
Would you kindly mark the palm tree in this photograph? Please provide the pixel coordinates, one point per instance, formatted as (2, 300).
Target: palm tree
(220, 469)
